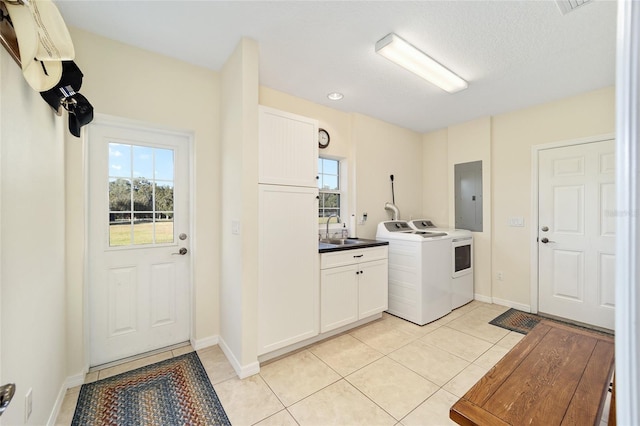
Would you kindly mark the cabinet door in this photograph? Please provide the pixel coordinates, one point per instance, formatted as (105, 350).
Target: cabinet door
(373, 283)
(338, 297)
(288, 282)
(287, 149)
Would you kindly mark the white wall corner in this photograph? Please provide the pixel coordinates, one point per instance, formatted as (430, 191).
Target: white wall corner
(198, 344)
(243, 371)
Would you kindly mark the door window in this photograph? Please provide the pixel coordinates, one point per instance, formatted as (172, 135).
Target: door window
(141, 182)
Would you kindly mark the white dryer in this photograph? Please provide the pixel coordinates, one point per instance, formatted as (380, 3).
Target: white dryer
(419, 271)
(461, 260)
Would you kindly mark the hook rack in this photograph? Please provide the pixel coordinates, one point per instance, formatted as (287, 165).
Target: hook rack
(7, 34)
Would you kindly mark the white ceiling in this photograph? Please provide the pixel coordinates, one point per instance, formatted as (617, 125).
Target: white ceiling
(513, 53)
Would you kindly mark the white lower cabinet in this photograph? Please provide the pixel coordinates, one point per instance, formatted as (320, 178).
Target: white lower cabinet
(373, 288)
(353, 286)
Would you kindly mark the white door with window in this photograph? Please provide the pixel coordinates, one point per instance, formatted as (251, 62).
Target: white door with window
(139, 242)
(576, 234)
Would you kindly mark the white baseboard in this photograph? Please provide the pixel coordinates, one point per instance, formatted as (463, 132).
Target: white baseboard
(70, 382)
(243, 371)
(198, 344)
(56, 408)
(503, 302)
(510, 304)
(76, 380)
(319, 337)
(482, 298)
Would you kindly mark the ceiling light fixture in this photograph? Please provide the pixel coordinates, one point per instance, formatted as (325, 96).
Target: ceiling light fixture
(413, 59)
(335, 96)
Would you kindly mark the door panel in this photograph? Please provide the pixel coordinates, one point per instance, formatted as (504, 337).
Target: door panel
(577, 232)
(139, 284)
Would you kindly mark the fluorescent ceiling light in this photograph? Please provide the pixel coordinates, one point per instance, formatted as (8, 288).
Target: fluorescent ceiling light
(406, 55)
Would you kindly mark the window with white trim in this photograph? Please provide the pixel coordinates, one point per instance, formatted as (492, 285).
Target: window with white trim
(329, 186)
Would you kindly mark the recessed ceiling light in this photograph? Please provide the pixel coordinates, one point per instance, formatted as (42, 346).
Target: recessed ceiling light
(408, 56)
(335, 96)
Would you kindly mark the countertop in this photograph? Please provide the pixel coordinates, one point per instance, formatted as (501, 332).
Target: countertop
(356, 243)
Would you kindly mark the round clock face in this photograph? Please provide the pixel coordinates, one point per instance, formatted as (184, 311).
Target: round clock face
(323, 138)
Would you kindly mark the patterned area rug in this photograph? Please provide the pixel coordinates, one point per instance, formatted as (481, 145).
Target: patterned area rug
(515, 320)
(172, 392)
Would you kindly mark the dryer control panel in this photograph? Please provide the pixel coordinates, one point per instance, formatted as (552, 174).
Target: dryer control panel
(423, 224)
(397, 226)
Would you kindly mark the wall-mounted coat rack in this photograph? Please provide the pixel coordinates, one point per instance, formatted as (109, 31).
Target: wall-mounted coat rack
(8, 35)
(54, 52)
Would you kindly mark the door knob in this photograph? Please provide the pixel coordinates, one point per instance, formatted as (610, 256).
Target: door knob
(545, 228)
(182, 251)
(546, 240)
(6, 395)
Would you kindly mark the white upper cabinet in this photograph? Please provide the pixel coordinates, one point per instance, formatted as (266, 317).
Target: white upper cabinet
(287, 149)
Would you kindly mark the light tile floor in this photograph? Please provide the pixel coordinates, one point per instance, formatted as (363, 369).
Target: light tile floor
(388, 372)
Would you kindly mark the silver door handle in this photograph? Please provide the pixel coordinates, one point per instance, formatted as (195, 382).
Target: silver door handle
(181, 252)
(546, 240)
(6, 395)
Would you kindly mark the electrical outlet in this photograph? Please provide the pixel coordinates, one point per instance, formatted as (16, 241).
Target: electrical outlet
(499, 276)
(28, 404)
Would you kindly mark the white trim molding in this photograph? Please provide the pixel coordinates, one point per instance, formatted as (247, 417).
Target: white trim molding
(243, 371)
(508, 303)
(628, 214)
(198, 344)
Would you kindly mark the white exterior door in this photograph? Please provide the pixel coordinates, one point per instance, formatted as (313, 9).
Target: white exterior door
(576, 234)
(139, 261)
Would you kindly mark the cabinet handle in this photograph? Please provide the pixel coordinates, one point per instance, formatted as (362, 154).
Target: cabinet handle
(360, 255)
(361, 272)
(357, 272)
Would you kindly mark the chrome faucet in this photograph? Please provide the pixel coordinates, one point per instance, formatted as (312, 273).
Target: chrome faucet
(330, 216)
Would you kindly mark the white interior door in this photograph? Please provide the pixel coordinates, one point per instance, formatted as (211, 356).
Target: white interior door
(139, 261)
(576, 248)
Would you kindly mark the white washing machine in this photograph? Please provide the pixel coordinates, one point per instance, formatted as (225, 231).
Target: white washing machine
(461, 260)
(419, 271)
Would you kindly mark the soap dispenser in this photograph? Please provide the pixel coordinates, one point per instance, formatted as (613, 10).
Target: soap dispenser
(345, 232)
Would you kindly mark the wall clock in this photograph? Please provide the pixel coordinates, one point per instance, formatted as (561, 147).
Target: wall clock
(323, 138)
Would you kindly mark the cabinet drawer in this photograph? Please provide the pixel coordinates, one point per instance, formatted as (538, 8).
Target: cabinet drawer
(349, 257)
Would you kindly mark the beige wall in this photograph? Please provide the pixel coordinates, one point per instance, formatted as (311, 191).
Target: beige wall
(239, 286)
(33, 348)
(504, 143)
(513, 135)
(468, 142)
(435, 178)
(373, 150)
(124, 81)
(381, 150)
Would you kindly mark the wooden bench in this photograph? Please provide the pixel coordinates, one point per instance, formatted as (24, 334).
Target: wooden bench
(556, 375)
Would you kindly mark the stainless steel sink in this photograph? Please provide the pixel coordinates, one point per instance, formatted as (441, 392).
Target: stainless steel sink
(339, 241)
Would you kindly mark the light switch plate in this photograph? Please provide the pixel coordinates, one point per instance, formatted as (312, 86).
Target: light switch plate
(517, 221)
(235, 227)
